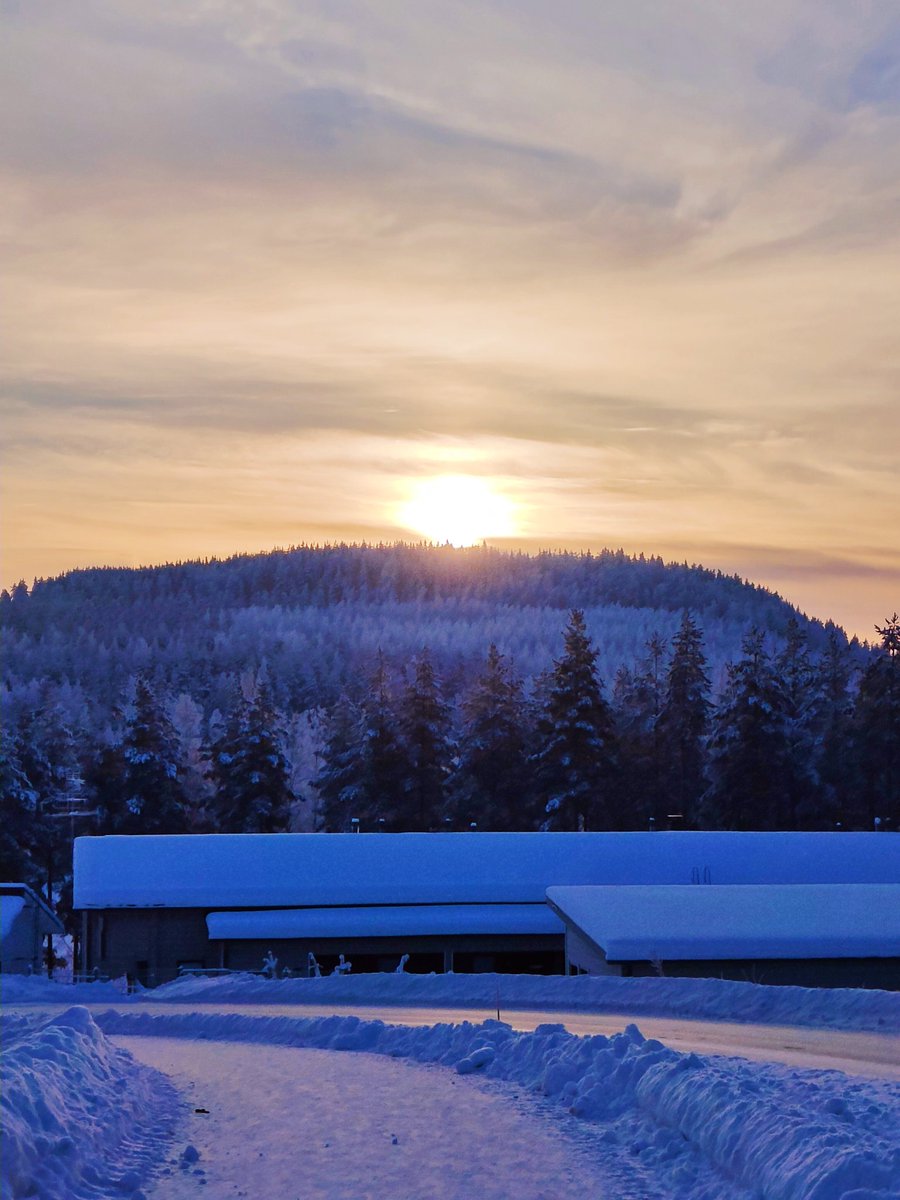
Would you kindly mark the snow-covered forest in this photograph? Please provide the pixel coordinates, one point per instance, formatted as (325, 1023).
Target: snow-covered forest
(415, 687)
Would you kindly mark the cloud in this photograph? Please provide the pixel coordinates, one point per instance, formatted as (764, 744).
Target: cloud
(629, 259)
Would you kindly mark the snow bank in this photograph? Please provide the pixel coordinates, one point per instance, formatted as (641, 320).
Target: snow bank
(697, 999)
(80, 1117)
(702, 1126)
(35, 989)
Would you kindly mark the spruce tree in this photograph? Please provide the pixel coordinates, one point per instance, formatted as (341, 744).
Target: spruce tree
(21, 858)
(831, 723)
(250, 770)
(152, 800)
(638, 699)
(684, 720)
(48, 756)
(877, 732)
(425, 729)
(796, 675)
(749, 748)
(384, 758)
(339, 781)
(577, 756)
(492, 782)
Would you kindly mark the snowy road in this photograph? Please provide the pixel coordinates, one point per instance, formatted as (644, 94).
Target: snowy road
(288, 1123)
(869, 1054)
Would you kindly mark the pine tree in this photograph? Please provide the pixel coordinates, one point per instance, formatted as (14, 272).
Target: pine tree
(250, 771)
(877, 731)
(831, 722)
(21, 859)
(49, 760)
(151, 799)
(577, 756)
(796, 676)
(492, 782)
(339, 781)
(638, 700)
(685, 719)
(384, 757)
(425, 728)
(749, 747)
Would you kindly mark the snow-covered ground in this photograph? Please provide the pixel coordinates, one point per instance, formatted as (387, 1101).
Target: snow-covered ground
(616, 1116)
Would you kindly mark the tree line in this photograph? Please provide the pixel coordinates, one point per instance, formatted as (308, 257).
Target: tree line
(795, 740)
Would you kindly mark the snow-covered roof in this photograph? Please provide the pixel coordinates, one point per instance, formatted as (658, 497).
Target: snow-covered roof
(292, 870)
(402, 920)
(15, 898)
(735, 922)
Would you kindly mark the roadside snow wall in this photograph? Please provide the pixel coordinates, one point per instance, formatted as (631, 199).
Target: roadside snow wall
(775, 1132)
(693, 999)
(80, 1117)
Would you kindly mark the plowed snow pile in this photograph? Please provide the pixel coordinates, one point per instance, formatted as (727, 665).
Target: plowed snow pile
(81, 1119)
(695, 999)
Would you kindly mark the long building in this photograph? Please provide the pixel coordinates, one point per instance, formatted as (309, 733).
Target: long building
(154, 905)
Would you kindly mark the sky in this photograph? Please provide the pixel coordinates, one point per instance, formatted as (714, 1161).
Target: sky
(281, 272)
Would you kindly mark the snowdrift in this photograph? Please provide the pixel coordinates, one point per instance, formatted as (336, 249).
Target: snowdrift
(35, 989)
(703, 1126)
(692, 999)
(81, 1119)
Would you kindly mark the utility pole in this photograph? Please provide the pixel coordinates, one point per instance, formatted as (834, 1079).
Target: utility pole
(69, 804)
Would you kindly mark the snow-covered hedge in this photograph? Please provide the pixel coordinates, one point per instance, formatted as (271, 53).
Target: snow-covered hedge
(80, 1117)
(699, 999)
(704, 1126)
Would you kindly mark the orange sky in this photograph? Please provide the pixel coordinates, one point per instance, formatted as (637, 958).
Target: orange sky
(269, 266)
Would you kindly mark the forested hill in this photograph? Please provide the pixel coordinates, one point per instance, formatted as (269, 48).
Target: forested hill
(413, 687)
(315, 616)
(376, 575)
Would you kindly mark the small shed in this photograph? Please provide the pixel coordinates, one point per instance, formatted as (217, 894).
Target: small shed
(842, 934)
(25, 920)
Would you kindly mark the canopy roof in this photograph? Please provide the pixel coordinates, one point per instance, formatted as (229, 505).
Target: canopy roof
(291, 870)
(402, 920)
(752, 921)
(15, 899)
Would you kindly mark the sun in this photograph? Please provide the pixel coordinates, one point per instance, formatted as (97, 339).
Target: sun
(460, 509)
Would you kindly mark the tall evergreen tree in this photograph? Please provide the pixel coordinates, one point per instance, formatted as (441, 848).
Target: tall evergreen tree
(577, 756)
(48, 756)
(425, 727)
(492, 782)
(638, 699)
(684, 720)
(749, 747)
(384, 757)
(150, 799)
(831, 723)
(21, 856)
(340, 779)
(250, 770)
(877, 731)
(796, 676)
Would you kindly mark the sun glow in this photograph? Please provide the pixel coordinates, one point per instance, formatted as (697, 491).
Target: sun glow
(460, 509)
